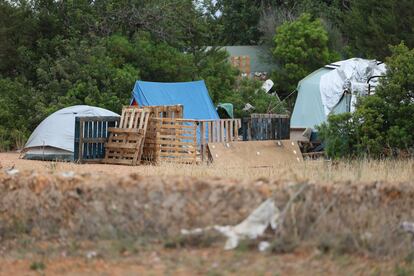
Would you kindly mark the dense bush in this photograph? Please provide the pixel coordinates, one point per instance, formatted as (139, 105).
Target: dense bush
(383, 123)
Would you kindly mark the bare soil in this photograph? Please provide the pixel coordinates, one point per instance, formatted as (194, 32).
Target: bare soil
(208, 261)
(378, 205)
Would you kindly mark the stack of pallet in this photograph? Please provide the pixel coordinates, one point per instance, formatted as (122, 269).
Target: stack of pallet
(176, 140)
(164, 111)
(125, 143)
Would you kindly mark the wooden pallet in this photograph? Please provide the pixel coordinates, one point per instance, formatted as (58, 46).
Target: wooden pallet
(164, 111)
(125, 144)
(91, 134)
(175, 141)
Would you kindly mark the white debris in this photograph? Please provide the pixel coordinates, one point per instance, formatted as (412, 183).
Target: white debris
(194, 231)
(68, 174)
(91, 254)
(408, 227)
(267, 214)
(253, 226)
(248, 107)
(12, 171)
(263, 246)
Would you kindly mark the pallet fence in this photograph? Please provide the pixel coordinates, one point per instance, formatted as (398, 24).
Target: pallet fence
(217, 131)
(168, 137)
(189, 137)
(91, 134)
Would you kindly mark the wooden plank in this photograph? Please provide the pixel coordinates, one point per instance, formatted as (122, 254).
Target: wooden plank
(176, 143)
(125, 130)
(178, 148)
(114, 146)
(81, 144)
(202, 140)
(174, 137)
(255, 153)
(175, 154)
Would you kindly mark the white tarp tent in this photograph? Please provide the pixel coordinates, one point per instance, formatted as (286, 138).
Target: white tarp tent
(352, 75)
(323, 92)
(54, 137)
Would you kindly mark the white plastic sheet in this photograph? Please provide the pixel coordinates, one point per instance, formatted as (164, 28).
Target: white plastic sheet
(351, 75)
(254, 226)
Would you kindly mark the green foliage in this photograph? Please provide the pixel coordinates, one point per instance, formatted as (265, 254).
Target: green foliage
(382, 124)
(220, 77)
(37, 266)
(60, 53)
(19, 112)
(338, 135)
(301, 47)
(372, 25)
(249, 91)
(240, 21)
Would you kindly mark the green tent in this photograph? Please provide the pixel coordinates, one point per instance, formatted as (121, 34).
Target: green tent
(225, 110)
(334, 89)
(309, 111)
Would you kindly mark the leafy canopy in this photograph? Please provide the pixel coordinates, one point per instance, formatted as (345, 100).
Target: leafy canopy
(301, 47)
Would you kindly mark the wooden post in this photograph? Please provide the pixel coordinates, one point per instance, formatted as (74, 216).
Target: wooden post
(81, 134)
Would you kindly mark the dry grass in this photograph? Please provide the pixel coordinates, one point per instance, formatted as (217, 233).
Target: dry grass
(314, 171)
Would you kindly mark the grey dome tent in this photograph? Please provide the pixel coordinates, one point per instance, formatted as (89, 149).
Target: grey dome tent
(53, 138)
(333, 89)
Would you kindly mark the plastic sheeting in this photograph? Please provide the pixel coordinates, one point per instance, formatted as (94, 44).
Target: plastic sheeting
(322, 92)
(352, 75)
(192, 95)
(58, 130)
(254, 226)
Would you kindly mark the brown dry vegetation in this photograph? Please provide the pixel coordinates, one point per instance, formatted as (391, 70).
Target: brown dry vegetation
(347, 220)
(315, 171)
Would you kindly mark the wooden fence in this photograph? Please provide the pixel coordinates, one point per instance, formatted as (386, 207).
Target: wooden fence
(217, 131)
(91, 134)
(266, 127)
(185, 141)
(168, 137)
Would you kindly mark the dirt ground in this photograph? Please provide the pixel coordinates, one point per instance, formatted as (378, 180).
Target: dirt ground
(98, 258)
(11, 159)
(316, 171)
(211, 261)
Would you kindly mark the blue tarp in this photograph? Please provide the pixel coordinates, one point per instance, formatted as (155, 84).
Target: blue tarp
(192, 95)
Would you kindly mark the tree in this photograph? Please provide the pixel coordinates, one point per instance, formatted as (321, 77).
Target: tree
(371, 26)
(240, 21)
(382, 124)
(20, 112)
(301, 47)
